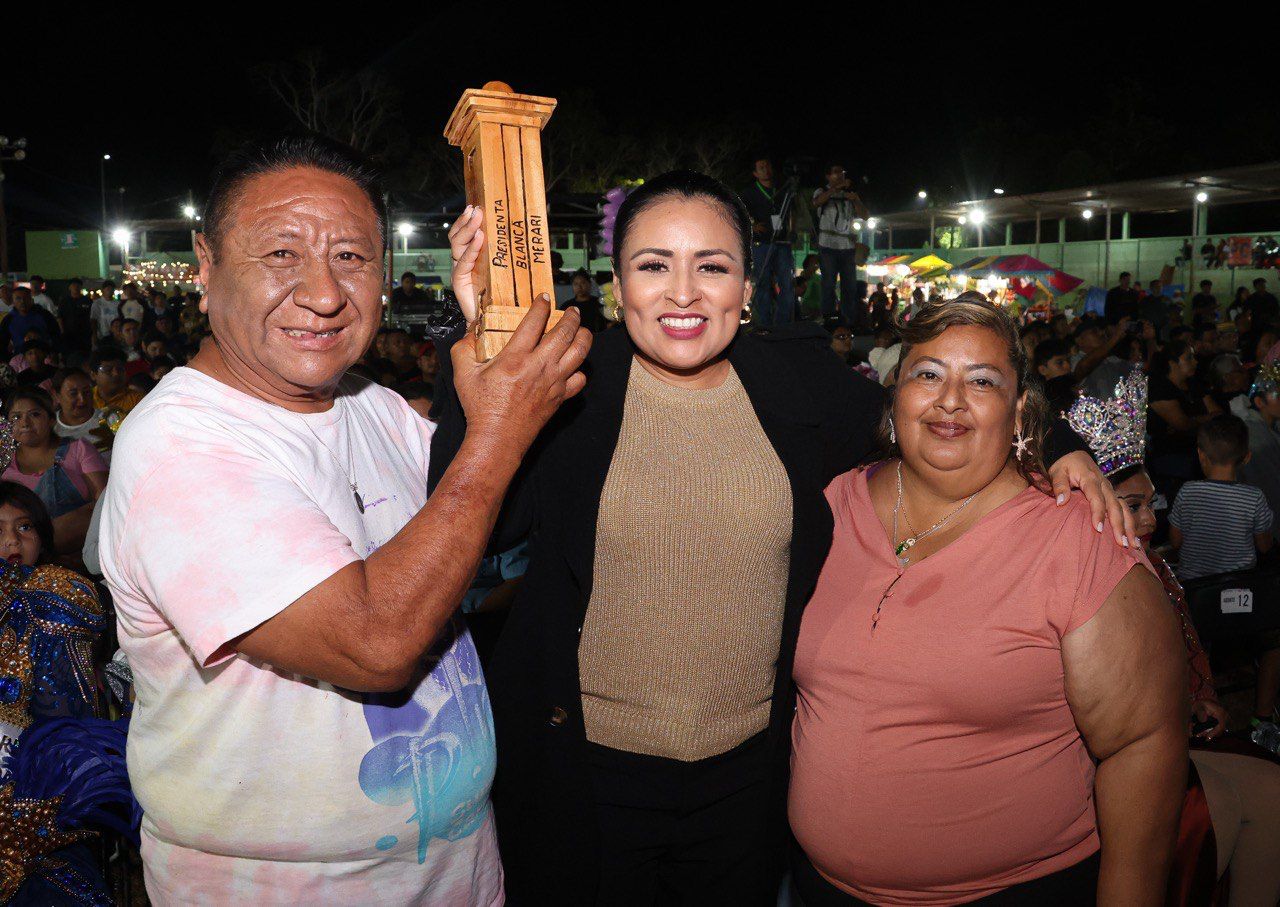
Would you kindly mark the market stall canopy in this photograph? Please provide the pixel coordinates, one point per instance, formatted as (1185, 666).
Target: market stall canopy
(1022, 266)
(929, 264)
(1254, 183)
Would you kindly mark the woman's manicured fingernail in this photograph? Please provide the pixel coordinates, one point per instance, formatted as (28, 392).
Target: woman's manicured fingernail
(1099, 527)
(1061, 499)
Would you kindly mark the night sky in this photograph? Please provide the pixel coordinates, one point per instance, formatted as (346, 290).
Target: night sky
(973, 101)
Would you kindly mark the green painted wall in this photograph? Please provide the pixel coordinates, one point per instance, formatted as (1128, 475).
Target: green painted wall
(63, 254)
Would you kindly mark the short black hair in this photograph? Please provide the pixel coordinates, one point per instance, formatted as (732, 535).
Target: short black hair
(685, 184)
(1125, 274)
(106, 352)
(37, 344)
(61, 375)
(273, 155)
(108, 283)
(75, 280)
(1205, 283)
(1224, 440)
(1049, 349)
(409, 274)
(23, 498)
(35, 278)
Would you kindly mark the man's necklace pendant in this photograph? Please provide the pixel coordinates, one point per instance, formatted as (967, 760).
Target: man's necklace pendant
(355, 493)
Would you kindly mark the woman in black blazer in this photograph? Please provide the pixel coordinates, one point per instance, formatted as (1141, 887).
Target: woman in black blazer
(581, 821)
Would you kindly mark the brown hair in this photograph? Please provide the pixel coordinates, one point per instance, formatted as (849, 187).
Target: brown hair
(972, 309)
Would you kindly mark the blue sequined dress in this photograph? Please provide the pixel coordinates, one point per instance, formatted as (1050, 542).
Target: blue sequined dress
(51, 620)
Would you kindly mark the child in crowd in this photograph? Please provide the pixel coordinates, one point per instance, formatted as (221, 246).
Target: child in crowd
(26, 532)
(1219, 524)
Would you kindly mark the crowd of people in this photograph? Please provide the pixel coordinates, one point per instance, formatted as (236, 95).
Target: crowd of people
(664, 612)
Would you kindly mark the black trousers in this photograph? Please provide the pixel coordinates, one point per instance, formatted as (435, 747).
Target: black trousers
(696, 833)
(1075, 886)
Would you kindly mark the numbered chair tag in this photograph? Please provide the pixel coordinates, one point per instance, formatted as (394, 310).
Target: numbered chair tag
(1237, 601)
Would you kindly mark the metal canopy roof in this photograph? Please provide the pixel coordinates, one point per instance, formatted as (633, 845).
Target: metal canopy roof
(1255, 183)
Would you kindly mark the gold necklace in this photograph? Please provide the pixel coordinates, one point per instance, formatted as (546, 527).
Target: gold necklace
(900, 549)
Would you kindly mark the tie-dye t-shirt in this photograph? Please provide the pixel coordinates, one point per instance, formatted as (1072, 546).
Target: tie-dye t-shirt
(259, 786)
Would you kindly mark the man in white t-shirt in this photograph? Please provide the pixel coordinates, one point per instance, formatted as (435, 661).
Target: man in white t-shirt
(39, 296)
(104, 310)
(311, 723)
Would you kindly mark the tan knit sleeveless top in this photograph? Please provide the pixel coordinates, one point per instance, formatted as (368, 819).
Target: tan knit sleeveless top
(680, 641)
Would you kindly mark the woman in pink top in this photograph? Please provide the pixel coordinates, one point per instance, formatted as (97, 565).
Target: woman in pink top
(971, 652)
(67, 474)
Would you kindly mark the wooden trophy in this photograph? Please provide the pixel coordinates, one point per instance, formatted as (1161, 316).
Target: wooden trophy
(499, 134)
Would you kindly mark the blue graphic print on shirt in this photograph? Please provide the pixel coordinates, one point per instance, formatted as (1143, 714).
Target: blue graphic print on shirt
(434, 749)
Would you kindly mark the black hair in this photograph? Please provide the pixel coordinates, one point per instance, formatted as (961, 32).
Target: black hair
(1049, 349)
(408, 274)
(108, 283)
(163, 361)
(1124, 274)
(37, 395)
(1168, 354)
(23, 498)
(1202, 328)
(61, 375)
(1206, 283)
(75, 280)
(106, 352)
(37, 344)
(1224, 440)
(152, 337)
(685, 184)
(35, 278)
(274, 155)
(1120, 476)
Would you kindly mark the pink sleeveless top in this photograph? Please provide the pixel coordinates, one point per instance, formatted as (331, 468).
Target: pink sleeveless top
(935, 757)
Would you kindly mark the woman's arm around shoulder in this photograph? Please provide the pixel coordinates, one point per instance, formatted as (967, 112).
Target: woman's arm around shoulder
(1126, 683)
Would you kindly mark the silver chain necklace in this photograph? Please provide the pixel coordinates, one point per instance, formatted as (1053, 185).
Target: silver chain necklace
(901, 549)
(350, 472)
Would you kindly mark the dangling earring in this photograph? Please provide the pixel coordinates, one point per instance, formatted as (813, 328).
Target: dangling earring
(745, 317)
(1019, 443)
(893, 435)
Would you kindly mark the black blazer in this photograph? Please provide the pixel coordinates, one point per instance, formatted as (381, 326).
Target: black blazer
(821, 418)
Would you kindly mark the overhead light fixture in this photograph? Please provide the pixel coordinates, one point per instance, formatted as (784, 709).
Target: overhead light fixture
(922, 194)
(1202, 197)
(857, 226)
(963, 219)
(978, 216)
(404, 228)
(1087, 213)
(998, 191)
(189, 212)
(871, 223)
(120, 236)
(106, 157)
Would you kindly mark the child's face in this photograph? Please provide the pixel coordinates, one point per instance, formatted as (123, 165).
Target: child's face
(19, 541)
(1137, 493)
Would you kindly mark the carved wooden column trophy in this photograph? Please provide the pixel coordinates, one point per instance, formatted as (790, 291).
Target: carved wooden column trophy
(499, 133)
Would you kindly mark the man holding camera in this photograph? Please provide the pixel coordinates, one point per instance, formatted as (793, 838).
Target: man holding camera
(837, 206)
